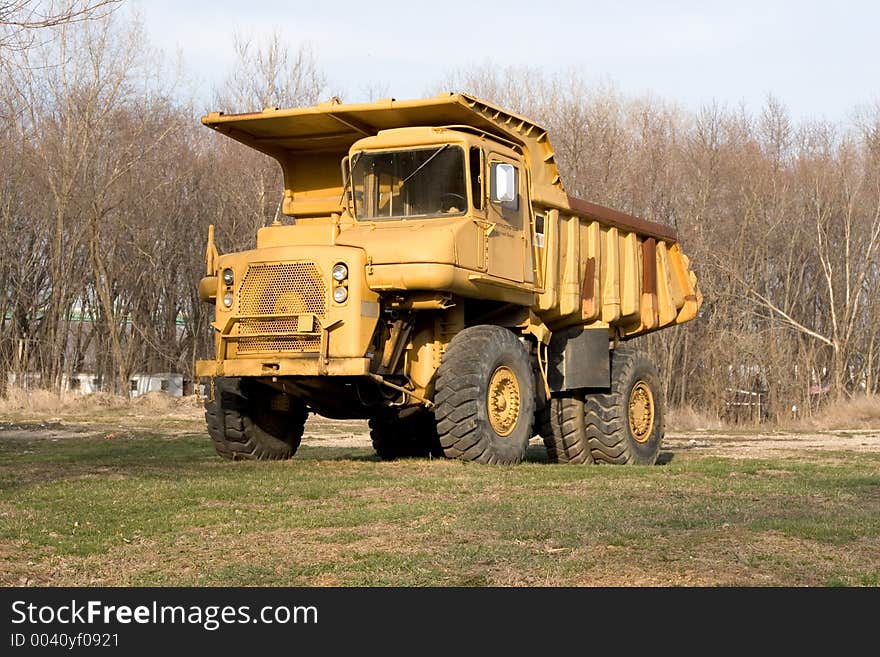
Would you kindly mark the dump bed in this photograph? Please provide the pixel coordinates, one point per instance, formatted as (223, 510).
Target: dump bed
(605, 268)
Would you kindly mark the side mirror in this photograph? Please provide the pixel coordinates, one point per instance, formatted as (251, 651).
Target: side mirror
(208, 289)
(503, 182)
(346, 172)
(346, 181)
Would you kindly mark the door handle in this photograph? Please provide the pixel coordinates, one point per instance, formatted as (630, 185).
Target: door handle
(488, 226)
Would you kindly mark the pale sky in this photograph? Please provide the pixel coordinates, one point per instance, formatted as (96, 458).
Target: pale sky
(821, 59)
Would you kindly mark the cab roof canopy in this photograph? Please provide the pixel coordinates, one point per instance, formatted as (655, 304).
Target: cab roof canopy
(310, 142)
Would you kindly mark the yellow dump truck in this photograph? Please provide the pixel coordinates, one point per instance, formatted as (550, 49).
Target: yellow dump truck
(432, 275)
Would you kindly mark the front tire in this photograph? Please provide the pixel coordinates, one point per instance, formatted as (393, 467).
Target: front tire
(248, 420)
(485, 397)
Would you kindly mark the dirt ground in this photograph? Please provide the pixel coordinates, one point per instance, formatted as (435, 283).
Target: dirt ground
(746, 443)
(334, 433)
(770, 444)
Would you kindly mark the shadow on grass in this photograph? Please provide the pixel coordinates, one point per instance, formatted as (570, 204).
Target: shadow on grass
(33, 461)
(536, 454)
(665, 458)
(320, 453)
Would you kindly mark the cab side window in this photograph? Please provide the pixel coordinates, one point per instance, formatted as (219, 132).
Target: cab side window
(476, 167)
(504, 185)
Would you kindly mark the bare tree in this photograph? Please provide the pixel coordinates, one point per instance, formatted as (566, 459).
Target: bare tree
(20, 18)
(271, 74)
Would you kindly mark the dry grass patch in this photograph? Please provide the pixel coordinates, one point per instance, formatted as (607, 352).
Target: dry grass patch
(688, 418)
(42, 405)
(859, 412)
(212, 556)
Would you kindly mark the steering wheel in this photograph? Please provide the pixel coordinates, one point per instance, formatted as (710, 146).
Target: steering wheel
(450, 200)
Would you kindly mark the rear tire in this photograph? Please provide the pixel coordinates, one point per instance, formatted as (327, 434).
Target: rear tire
(411, 436)
(625, 425)
(485, 397)
(248, 420)
(564, 430)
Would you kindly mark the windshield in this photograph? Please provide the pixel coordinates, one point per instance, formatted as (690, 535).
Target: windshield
(416, 183)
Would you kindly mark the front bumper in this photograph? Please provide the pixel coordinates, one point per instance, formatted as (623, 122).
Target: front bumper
(283, 367)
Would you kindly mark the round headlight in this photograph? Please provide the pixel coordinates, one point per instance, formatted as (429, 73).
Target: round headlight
(340, 273)
(227, 299)
(340, 294)
(228, 276)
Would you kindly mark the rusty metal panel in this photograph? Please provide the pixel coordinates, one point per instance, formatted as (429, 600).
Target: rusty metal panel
(622, 220)
(650, 317)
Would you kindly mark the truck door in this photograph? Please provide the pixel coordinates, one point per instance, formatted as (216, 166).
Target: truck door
(507, 206)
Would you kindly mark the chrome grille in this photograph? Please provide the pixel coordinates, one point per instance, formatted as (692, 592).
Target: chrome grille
(292, 288)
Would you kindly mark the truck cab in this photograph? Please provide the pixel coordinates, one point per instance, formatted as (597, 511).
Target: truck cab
(466, 196)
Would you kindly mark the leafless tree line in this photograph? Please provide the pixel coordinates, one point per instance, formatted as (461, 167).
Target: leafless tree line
(109, 182)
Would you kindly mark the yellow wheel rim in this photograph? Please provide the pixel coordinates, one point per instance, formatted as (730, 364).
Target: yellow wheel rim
(641, 411)
(503, 401)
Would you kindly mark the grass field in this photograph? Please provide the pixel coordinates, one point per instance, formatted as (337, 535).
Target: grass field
(122, 499)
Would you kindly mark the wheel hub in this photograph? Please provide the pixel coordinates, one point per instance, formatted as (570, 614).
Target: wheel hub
(641, 411)
(503, 401)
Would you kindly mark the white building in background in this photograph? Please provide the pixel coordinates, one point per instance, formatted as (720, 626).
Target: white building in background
(167, 382)
(24, 380)
(81, 383)
(78, 383)
(86, 383)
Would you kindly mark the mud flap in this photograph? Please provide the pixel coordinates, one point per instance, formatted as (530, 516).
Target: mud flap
(579, 358)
